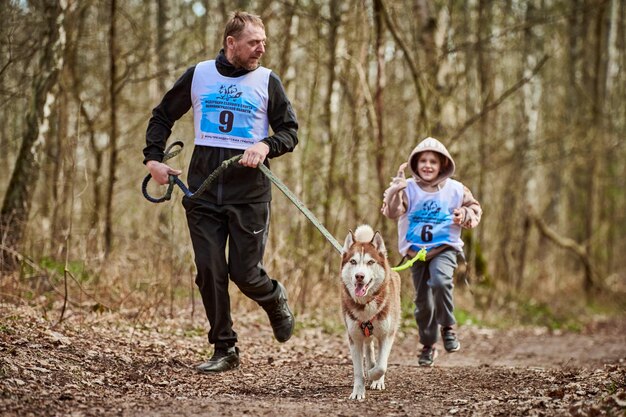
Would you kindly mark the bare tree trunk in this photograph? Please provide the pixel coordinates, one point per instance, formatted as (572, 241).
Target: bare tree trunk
(356, 89)
(61, 176)
(586, 200)
(599, 80)
(334, 23)
(529, 109)
(51, 168)
(162, 59)
(378, 99)
(613, 158)
(160, 46)
(108, 216)
(96, 172)
(309, 136)
(285, 51)
(431, 115)
(88, 122)
(423, 123)
(485, 83)
(18, 199)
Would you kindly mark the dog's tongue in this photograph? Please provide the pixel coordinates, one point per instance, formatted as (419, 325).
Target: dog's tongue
(359, 290)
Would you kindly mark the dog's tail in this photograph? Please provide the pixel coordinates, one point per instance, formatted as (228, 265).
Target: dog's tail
(364, 233)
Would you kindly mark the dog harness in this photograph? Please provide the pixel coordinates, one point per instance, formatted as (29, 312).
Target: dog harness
(367, 328)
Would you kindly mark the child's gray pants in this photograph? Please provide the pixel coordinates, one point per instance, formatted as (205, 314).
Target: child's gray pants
(434, 306)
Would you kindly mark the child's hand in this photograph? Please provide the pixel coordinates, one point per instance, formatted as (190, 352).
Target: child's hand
(401, 169)
(399, 181)
(458, 216)
(397, 184)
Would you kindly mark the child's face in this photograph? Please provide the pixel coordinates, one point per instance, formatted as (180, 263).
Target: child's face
(428, 166)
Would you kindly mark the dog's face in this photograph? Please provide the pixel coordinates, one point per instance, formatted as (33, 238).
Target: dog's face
(363, 265)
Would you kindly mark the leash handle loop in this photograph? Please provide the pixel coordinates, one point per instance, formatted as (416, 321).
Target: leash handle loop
(174, 180)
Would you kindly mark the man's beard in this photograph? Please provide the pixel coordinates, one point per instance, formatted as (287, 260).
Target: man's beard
(243, 64)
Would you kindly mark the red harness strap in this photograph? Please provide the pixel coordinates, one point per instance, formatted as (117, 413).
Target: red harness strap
(367, 328)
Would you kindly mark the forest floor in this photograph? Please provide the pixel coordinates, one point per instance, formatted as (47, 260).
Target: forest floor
(113, 365)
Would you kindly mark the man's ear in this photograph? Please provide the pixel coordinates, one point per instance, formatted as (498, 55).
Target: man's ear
(230, 42)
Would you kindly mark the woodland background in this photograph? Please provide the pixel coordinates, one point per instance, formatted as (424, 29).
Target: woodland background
(528, 95)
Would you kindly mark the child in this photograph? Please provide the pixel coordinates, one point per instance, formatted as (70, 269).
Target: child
(431, 208)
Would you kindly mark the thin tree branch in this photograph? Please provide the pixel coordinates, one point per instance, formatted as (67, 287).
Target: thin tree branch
(410, 62)
(491, 106)
(565, 243)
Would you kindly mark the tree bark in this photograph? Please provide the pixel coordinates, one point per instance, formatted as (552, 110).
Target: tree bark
(110, 190)
(285, 52)
(333, 29)
(423, 121)
(379, 16)
(18, 199)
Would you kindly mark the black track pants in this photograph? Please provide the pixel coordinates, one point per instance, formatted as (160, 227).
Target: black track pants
(245, 228)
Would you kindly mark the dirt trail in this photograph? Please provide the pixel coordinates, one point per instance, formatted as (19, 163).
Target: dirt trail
(107, 365)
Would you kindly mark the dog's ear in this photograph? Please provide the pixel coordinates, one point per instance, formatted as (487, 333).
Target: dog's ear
(348, 242)
(379, 243)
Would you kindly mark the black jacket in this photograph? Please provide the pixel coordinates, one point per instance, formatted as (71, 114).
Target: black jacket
(237, 184)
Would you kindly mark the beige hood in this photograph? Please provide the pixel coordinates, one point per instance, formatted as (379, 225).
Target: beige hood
(433, 145)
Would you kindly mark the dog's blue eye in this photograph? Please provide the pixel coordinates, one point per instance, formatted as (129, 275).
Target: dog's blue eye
(352, 261)
(371, 262)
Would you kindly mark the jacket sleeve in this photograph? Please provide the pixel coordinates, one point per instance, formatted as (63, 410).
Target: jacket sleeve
(395, 203)
(175, 103)
(395, 200)
(282, 119)
(472, 208)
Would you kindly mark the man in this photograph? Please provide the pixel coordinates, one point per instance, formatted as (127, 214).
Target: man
(235, 101)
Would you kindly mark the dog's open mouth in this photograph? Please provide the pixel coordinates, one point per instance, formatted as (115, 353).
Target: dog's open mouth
(360, 289)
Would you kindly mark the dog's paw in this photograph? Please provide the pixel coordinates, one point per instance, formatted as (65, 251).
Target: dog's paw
(378, 384)
(375, 373)
(358, 393)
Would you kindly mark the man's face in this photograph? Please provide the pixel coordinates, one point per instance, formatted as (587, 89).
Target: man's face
(246, 50)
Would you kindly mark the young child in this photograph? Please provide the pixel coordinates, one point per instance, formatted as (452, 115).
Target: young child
(431, 209)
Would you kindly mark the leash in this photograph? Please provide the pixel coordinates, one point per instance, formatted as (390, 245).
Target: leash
(421, 256)
(174, 180)
(309, 215)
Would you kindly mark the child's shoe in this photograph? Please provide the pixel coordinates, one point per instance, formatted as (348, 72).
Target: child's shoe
(450, 342)
(427, 356)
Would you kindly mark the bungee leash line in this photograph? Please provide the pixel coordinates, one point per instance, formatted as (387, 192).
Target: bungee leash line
(421, 256)
(174, 180)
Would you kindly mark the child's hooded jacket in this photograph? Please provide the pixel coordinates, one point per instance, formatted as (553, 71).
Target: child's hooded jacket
(425, 218)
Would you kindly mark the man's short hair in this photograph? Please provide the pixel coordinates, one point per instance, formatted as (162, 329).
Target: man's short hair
(237, 23)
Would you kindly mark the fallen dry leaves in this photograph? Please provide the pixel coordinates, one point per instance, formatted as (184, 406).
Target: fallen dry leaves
(110, 364)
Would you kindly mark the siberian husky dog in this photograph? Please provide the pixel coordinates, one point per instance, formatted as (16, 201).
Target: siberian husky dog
(370, 304)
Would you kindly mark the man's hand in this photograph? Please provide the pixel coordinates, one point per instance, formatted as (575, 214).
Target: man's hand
(161, 172)
(254, 155)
